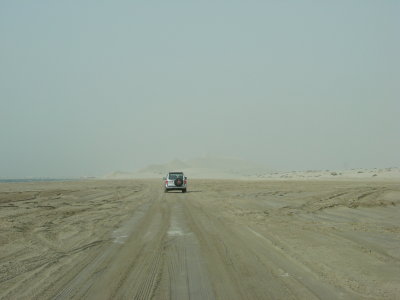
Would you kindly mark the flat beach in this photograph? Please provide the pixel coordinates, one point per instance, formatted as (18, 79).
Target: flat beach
(224, 239)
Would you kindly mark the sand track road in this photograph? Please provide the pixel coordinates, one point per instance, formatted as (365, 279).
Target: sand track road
(224, 239)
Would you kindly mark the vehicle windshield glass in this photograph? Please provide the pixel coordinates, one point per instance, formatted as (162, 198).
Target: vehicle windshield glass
(175, 175)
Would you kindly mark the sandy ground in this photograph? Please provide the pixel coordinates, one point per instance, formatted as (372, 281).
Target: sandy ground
(224, 239)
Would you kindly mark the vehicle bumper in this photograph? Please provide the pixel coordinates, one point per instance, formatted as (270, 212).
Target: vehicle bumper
(183, 187)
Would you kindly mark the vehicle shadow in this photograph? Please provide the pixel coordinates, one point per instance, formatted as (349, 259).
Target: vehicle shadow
(176, 192)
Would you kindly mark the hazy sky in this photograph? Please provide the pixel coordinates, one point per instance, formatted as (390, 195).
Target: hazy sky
(88, 87)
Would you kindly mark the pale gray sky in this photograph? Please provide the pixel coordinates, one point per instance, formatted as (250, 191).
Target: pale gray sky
(88, 87)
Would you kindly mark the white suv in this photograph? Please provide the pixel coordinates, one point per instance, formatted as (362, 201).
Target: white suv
(175, 181)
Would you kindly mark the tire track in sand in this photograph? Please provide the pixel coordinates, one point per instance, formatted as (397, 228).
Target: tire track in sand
(185, 275)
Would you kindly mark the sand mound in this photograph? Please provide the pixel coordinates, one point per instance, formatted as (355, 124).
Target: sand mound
(207, 166)
(210, 166)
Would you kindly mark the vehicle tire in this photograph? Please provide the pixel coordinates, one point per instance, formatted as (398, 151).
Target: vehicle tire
(165, 191)
(178, 182)
(184, 191)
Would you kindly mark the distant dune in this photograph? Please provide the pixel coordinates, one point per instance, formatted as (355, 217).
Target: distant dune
(175, 164)
(233, 168)
(202, 167)
(352, 174)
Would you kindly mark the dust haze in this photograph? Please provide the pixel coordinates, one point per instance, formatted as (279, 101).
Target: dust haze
(282, 115)
(91, 88)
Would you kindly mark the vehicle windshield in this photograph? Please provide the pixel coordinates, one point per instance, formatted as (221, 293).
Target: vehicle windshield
(174, 176)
